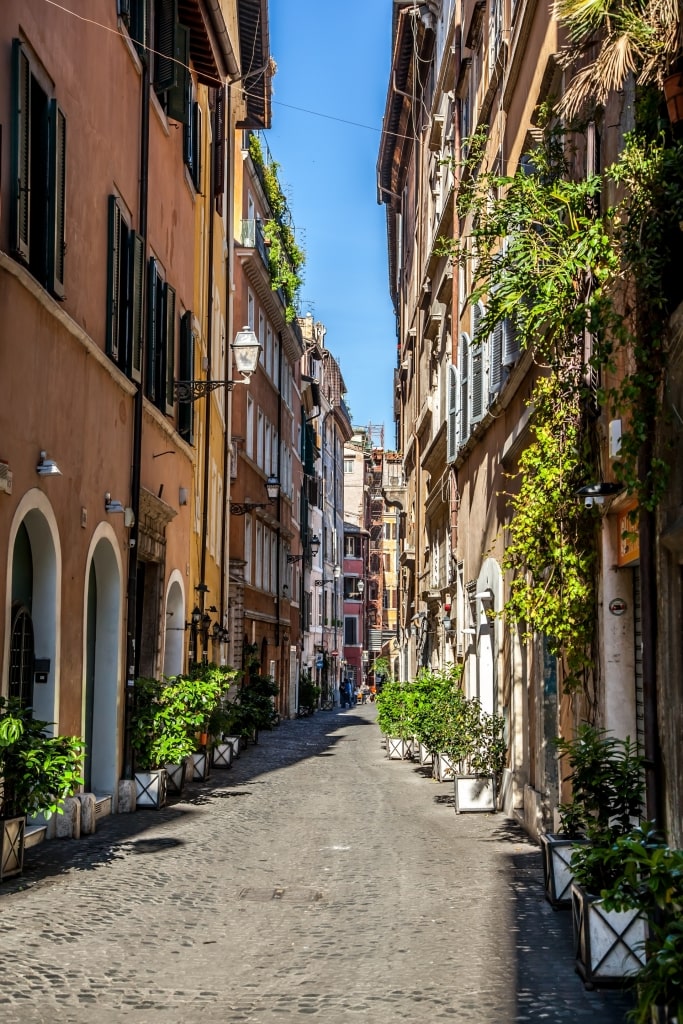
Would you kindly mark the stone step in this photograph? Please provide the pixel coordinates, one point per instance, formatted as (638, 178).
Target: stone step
(34, 835)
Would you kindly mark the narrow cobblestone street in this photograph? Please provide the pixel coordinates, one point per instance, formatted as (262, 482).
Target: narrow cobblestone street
(314, 879)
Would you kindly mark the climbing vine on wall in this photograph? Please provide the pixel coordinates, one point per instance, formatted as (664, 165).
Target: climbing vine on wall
(585, 288)
(285, 258)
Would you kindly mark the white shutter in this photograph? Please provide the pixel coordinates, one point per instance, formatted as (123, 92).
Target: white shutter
(477, 368)
(463, 409)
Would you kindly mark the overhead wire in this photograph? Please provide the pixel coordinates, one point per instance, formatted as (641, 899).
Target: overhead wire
(235, 83)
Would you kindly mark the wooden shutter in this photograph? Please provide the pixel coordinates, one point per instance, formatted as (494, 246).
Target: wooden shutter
(166, 29)
(153, 312)
(169, 350)
(186, 372)
(137, 289)
(56, 199)
(113, 279)
(476, 368)
(179, 95)
(464, 366)
(21, 151)
(452, 433)
(511, 351)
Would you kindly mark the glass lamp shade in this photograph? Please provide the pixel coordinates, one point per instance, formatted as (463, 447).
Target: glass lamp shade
(246, 348)
(315, 545)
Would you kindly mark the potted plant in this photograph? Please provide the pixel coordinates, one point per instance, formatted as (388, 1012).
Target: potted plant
(167, 715)
(606, 774)
(479, 751)
(37, 772)
(606, 786)
(309, 694)
(393, 719)
(648, 877)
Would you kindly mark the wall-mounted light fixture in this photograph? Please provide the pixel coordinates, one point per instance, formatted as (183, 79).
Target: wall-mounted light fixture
(336, 573)
(246, 349)
(313, 547)
(240, 508)
(111, 505)
(595, 494)
(47, 467)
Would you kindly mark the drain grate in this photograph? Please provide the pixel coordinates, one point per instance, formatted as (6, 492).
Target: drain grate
(286, 895)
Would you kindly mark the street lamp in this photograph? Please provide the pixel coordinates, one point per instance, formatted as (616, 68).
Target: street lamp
(313, 548)
(240, 508)
(246, 348)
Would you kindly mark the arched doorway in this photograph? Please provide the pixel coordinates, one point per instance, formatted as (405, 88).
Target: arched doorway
(32, 639)
(102, 669)
(175, 629)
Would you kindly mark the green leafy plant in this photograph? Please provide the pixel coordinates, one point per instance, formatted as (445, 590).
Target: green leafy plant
(285, 258)
(648, 876)
(606, 775)
(588, 290)
(37, 770)
(169, 713)
(393, 715)
(309, 692)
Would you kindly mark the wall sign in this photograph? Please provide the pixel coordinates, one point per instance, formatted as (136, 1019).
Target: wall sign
(617, 606)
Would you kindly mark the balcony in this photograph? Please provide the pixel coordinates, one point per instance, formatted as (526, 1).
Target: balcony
(253, 238)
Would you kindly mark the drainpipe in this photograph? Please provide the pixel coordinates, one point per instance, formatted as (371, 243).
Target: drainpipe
(207, 416)
(227, 392)
(132, 637)
(654, 774)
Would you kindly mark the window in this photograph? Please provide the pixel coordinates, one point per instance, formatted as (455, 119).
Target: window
(192, 139)
(125, 277)
(38, 175)
(250, 311)
(348, 465)
(160, 339)
(350, 630)
(452, 425)
(250, 426)
(477, 367)
(463, 363)
(276, 360)
(352, 547)
(248, 551)
(259, 439)
(258, 580)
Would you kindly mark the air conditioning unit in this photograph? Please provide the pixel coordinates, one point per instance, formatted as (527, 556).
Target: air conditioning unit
(5, 478)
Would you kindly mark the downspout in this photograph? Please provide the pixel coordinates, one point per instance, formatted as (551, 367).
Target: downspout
(207, 414)
(227, 392)
(279, 498)
(132, 637)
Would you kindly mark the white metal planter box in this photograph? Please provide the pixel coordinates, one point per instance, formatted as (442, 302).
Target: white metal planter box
(151, 788)
(222, 755)
(236, 745)
(397, 749)
(200, 766)
(474, 793)
(556, 851)
(12, 833)
(609, 944)
(176, 777)
(443, 769)
(425, 756)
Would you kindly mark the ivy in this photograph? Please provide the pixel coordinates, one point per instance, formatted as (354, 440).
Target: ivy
(285, 258)
(586, 290)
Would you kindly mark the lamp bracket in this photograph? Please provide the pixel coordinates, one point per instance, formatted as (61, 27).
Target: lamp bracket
(238, 508)
(191, 390)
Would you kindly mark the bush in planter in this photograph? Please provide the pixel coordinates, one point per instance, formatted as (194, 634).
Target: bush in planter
(309, 693)
(255, 702)
(392, 710)
(37, 770)
(648, 876)
(606, 774)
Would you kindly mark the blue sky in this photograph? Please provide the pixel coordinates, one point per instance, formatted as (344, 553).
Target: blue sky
(333, 63)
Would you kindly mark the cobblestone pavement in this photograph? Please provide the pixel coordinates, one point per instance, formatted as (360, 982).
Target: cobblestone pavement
(315, 879)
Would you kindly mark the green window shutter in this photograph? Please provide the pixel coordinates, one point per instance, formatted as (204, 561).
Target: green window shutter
(219, 149)
(464, 367)
(197, 147)
(20, 175)
(169, 350)
(56, 199)
(496, 359)
(113, 279)
(179, 95)
(153, 312)
(186, 372)
(166, 26)
(137, 262)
